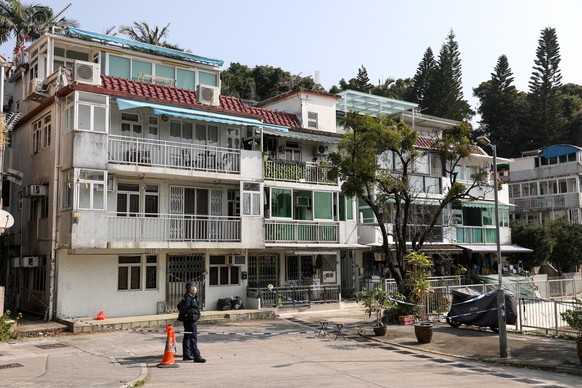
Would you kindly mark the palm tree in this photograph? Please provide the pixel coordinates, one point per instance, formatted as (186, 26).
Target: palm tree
(142, 32)
(25, 22)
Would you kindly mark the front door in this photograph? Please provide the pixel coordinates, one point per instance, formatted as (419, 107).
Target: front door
(181, 269)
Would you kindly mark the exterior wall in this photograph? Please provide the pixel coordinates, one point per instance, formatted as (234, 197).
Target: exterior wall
(301, 103)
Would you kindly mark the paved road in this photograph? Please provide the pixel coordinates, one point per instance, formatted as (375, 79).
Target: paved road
(241, 360)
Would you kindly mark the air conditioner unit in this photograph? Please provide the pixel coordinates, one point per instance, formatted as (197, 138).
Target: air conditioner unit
(35, 191)
(30, 261)
(16, 262)
(208, 95)
(236, 260)
(320, 150)
(36, 89)
(87, 73)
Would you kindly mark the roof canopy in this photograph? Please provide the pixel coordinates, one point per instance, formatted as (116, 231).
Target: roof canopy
(103, 38)
(365, 103)
(559, 150)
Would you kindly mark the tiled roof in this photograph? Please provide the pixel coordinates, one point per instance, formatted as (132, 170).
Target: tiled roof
(187, 98)
(427, 142)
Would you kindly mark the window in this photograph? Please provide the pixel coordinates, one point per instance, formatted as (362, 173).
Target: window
(322, 206)
(38, 208)
(346, 210)
(139, 69)
(151, 201)
(127, 199)
(251, 199)
(91, 185)
(221, 274)
(36, 136)
(46, 131)
(292, 151)
(153, 125)
(312, 120)
(130, 125)
(129, 273)
(185, 79)
(86, 111)
(151, 273)
(181, 131)
(208, 78)
(281, 203)
(119, 66)
(39, 275)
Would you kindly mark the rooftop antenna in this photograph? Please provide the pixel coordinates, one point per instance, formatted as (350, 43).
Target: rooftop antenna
(56, 16)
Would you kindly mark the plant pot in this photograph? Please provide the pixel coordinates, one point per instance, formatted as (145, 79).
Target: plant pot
(579, 349)
(423, 332)
(380, 330)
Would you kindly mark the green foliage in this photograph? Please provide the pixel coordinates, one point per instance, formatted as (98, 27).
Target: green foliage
(144, 33)
(573, 317)
(392, 314)
(375, 301)
(5, 325)
(22, 21)
(533, 236)
(567, 251)
(422, 78)
(417, 279)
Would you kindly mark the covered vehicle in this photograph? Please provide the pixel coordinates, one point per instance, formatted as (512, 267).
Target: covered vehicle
(470, 307)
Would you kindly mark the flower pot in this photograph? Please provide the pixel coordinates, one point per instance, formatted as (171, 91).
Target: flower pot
(423, 332)
(579, 349)
(380, 330)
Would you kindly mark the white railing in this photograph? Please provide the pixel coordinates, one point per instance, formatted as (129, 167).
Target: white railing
(157, 153)
(173, 227)
(301, 172)
(295, 296)
(301, 231)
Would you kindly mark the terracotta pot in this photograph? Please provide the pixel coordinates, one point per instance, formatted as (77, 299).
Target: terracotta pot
(579, 349)
(423, 332)
(380, 330)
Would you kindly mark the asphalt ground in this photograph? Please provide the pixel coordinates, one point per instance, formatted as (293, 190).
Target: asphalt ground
(290, 351)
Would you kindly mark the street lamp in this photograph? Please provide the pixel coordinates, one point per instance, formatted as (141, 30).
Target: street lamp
(503, 353)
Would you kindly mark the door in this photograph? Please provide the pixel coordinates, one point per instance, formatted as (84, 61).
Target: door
(181, 269)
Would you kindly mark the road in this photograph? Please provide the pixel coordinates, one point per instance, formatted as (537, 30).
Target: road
(236, 358)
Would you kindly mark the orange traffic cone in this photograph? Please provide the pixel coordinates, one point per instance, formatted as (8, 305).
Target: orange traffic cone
(168, 360)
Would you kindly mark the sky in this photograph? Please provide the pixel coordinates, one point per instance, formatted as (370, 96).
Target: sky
(337, 37)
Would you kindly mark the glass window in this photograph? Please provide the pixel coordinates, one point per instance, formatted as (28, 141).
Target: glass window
(251, 199)
(312, 121)
(119, 66)
(165, 71)
(221, 274)
(208, 78)
(281, 203)
(91, 185)
(92, 112)
(139, 69)
(151, 275)
(533, 189)
(322, 206)
(185, 79)
(515, 191)
(128, 273)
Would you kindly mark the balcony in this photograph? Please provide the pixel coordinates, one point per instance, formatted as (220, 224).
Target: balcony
(299, 172)
(173, 228)
(125, 150)
(301, 231)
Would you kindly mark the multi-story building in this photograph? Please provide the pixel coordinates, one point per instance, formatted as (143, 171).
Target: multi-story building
(545, 185)
(137, 175)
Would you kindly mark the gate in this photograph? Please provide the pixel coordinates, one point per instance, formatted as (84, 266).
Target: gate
(181, 269)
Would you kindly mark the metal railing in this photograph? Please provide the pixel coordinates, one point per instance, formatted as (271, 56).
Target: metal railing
(301, 172)
(296, 296)
(146, 152)
(301, 231)
(173, 227)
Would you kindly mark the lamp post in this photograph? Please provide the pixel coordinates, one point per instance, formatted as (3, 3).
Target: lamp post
(503, 352)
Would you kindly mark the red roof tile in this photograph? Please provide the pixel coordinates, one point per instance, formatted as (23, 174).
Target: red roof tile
(184, 97)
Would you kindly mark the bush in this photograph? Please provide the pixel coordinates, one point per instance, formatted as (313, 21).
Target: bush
(574, 317)
(399, 309)
(6, 324)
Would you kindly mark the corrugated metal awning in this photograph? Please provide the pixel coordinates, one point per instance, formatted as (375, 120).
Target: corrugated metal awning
(302, 136)
(492, 248)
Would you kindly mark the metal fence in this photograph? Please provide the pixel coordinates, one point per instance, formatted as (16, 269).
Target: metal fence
(538, 308)
(295, 296)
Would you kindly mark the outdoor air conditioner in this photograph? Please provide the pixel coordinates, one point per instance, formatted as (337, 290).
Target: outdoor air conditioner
(320, 150)
(30, 261)
(35, 89)
(87, 73)
(208, 95)
(235, 260)
(35, 191)
(16, 262)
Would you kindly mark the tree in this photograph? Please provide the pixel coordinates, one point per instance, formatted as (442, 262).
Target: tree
(420, 81)
(498, 108)
(535, 237)
(444, 95)
(572, 109)
(361, 163)
(24, 22)
(567, 252)
(392, 88)
(361, 83)
(142, 32)
(238, 81)
(546, 125)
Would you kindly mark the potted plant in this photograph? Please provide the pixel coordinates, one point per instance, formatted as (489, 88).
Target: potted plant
(573, 318)
(375, 301)
(417, 281)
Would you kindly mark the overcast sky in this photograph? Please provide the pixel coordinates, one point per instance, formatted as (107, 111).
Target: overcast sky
(336, 37)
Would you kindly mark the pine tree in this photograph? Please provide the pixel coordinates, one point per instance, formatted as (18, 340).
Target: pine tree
(444, 95)
(499, 109)
(424, 72)
(546, 125)
(363, 81)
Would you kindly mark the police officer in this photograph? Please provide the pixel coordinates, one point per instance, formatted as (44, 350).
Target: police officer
(190, 342)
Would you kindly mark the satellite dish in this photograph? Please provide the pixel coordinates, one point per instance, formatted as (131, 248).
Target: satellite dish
(6, 219)
(270, 287)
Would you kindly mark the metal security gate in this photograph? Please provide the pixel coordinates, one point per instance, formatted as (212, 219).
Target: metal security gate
(263, 270)
(181, 269)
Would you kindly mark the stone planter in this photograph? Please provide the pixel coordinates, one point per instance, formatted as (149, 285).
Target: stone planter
(380, 330)
(423, 332)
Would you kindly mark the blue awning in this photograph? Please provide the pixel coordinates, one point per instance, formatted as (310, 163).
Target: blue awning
(559, 150)
(193, 114)
(158, 49)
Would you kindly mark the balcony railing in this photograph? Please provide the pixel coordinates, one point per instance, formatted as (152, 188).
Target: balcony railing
(301, 231)
(301, 172)
(475, 234)
(173, 227)
(157, 153)
(556, 202)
